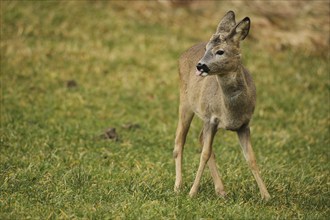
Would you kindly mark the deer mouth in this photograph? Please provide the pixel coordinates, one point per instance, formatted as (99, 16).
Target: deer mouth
(201, 73)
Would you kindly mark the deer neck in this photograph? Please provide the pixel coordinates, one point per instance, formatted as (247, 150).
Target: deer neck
(232, 86)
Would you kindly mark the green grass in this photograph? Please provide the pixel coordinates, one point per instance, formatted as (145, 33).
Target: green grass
(53, 166)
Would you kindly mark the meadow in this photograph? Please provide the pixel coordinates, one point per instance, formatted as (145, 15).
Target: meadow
(71, 70)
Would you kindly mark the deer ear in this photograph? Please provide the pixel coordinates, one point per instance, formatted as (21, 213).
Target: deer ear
(226, 23)
(241, 30)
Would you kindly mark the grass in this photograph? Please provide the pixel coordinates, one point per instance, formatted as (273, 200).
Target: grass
(124, 61)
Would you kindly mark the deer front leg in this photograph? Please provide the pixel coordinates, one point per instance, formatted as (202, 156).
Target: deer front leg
(208, 134)
(185, 117)
(245, 141)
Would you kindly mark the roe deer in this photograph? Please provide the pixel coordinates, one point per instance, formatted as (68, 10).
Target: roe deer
(216, 87)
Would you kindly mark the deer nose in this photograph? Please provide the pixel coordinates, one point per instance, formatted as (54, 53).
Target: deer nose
(202, 67)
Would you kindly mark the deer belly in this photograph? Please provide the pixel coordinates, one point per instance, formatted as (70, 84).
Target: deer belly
(225, 121)
(231, 123)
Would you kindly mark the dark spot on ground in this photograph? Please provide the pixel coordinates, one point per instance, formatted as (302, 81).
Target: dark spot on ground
(71, 84)
(110, 133)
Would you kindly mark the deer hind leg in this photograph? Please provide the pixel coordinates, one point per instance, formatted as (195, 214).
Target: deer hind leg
(245, 141)
(218, 185)
(208, 135)
(185, 118)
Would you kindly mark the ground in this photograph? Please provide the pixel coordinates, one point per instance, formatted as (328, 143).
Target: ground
(72, 70)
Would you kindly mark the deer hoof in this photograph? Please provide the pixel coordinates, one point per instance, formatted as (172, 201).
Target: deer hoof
(192, 194)
(265, 196)
(177, 188)
(220, 193)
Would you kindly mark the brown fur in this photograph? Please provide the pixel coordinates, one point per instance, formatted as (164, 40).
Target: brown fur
(225, 98)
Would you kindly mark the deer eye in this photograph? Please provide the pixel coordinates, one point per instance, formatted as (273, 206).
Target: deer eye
(220, 52)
